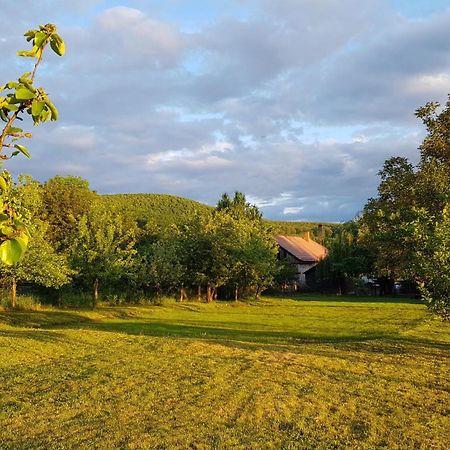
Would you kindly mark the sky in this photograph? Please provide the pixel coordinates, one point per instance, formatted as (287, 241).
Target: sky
(296, 103)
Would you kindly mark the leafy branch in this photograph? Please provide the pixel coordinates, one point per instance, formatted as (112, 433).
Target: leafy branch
(16, 98)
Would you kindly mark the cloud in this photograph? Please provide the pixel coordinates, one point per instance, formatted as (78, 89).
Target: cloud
(386, 79)
(141, 39)
(293, 210)
(297, 103)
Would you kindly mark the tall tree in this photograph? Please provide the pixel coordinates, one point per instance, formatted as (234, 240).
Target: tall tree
(410, 199)
(65, 201)
(238, 206)
(384, 224)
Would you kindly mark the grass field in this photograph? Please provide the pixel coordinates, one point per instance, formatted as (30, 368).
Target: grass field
(282, 374)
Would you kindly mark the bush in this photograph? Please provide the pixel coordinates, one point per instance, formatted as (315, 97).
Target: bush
(24, 302)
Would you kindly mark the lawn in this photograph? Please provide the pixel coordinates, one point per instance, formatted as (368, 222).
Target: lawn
(310, 372)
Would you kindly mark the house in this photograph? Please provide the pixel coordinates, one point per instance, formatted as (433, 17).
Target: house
(304, 253)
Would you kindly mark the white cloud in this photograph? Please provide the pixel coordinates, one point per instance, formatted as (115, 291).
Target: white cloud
(360, 139)
(433, 86)
(140, 35)
(293, 210)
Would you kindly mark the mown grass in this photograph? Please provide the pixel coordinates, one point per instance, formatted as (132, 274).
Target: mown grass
(307, 373)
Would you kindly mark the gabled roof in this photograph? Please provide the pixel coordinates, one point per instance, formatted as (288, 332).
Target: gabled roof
(303, 249)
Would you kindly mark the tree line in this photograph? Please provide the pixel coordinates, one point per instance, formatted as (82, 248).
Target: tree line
(80, 241)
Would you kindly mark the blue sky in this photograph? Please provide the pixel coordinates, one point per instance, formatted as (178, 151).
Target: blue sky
(297, 103)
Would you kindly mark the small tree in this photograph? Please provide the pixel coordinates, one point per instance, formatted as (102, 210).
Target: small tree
(242, 250)
(258, 261)
(102, 250)
(168, 270)
(346, 258)
(19, 97)
(40, 265)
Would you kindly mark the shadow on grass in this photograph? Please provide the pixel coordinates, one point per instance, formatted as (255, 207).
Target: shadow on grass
(236, 334)
(351, 299)
(387, 343)
(35, 335)
(41, 319)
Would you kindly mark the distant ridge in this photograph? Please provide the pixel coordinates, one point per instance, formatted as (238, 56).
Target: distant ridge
(165, 210)
(162, 209)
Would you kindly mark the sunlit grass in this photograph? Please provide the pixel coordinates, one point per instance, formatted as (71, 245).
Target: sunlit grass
(309, 373)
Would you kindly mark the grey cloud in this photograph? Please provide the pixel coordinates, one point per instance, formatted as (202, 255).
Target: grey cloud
(147, 107)
(386, 80)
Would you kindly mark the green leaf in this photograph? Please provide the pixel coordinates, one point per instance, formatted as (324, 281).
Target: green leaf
(45, 115)
(19, 224)
(11, 107)
(3, 216)
(3, 184)
(26, 53)
(23, 241)
(7, 231)
(30, 33)
(52, 108)
(36, 108)
(14, 130)
(23, 150)
(57, 45)
(39, 38)
(11, 251)
(24, 94)
(12, 100)
(28, 84)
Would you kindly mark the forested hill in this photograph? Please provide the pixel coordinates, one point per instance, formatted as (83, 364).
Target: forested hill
(162, 209)
(165, 210)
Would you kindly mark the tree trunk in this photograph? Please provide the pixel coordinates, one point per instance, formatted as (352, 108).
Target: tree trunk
(258, 291)
(183, 295)
(95, 293)
(339, 291)
(14, 292)
(236, 293)
(209, 293)
(199, 293)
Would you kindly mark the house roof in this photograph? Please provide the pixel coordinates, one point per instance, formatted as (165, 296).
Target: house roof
(303, 249)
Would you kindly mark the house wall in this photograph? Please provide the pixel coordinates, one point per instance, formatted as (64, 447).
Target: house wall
(301, 275)
(301, 267)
